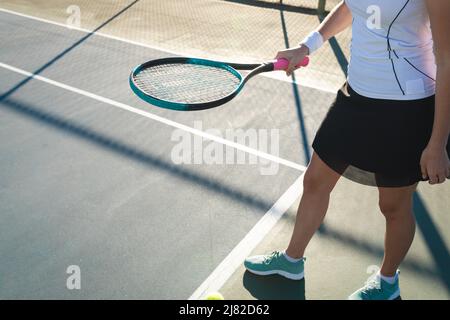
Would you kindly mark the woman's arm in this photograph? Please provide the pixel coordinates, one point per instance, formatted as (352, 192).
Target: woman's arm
(440, 26)
(338, 20)
(435, 163)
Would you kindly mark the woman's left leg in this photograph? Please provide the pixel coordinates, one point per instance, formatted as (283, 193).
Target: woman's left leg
(396, 204)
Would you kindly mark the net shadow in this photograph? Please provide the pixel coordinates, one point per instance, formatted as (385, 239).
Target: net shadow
(280, 6)
(65, 52)
(116, 146)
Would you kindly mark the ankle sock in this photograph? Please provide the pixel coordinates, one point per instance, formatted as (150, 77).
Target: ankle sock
(390, 280)
(291, 259)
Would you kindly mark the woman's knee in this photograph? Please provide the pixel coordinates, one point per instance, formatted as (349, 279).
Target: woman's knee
(316, 182)
(395, 205)
(389, 208)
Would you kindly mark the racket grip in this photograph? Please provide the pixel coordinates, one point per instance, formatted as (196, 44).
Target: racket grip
(282, 64)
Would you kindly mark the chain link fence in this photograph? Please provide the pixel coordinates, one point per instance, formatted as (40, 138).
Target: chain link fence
(320, 6)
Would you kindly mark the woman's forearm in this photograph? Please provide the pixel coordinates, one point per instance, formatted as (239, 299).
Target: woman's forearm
(338, 20)
(440, 24)
(441, 126)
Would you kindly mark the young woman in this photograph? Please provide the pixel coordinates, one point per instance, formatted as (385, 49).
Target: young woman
(388, 127)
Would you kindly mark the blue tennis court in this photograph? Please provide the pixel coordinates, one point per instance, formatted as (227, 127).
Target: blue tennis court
(149, 203)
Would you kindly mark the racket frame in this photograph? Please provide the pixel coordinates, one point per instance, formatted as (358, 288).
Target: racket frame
(230, 67)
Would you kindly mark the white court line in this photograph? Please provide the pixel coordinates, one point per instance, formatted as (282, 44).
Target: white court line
(235, 258)
(155, 117)
(153, 47)
(140, 44)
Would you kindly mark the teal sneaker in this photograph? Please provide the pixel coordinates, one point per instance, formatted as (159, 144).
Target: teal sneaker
(275, 263)
(377, 289)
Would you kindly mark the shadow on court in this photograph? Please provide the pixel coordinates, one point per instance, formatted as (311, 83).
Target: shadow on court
(65, 52)
(274, 287)
(436, 248)
(298, 105)
(432, 237)
(121, 148)
(279, 6)
(337, 50)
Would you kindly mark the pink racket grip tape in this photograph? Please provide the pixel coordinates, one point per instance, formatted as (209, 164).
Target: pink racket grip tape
(282, 64)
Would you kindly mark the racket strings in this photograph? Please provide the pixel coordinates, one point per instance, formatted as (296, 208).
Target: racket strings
(186, 83)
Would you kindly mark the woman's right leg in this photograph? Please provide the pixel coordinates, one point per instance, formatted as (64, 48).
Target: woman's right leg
(319, 181)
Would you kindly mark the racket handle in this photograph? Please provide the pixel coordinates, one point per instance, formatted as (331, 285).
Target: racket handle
(282, 64)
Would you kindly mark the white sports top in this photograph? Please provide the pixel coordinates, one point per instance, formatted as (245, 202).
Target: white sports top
(408, 72)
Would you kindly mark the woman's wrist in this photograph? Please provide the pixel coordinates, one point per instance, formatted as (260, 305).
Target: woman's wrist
(304, 50)
(312, 41)
(436, 143)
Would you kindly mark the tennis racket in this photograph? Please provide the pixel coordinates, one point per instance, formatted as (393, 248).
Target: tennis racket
(195, 84)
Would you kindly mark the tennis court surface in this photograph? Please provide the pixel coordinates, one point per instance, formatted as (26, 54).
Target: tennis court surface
(93, 178)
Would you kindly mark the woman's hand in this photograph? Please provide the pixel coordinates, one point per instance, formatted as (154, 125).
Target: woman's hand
(294, 56)
(435, 164)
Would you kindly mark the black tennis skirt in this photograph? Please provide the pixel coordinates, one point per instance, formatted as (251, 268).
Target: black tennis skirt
(375, 142)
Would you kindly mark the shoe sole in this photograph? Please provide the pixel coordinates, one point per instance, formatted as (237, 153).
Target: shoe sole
(291, 276)
(395, 295)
